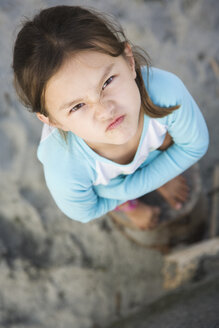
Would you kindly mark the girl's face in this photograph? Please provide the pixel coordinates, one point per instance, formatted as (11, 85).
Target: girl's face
(89, 93)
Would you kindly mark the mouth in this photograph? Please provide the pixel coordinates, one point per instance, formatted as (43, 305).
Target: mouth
(115, 123)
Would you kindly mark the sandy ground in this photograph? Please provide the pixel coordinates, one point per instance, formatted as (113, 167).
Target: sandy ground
(180, 36)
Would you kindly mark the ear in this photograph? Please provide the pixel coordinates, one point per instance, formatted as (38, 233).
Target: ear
(47, 121)
(43, 118)
(130, 58)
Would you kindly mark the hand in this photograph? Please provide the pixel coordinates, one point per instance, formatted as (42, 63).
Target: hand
(175, 192)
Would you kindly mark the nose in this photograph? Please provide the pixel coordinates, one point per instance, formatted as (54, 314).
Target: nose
(104, 110)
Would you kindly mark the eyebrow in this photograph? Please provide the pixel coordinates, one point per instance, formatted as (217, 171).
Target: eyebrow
(72, 102)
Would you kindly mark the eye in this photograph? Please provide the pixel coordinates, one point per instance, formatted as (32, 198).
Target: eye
(76, 107)
(107, 82)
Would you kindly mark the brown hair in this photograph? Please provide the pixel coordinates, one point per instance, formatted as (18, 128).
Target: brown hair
(44, 43)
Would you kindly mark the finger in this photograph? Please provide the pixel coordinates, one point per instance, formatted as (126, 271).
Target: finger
(180, 195)
(184, 186)
(173, 202)
(184, 183)
(183, 196)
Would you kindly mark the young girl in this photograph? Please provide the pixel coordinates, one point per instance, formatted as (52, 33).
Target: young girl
(115, 128)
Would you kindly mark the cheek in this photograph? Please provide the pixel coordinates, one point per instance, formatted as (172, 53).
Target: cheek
(134, 94)
(128, 92)
(81, 125)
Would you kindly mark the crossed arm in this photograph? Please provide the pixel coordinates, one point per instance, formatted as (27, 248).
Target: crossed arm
(185, 143)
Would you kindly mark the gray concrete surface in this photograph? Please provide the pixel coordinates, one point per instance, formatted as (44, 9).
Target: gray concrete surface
(196, 306)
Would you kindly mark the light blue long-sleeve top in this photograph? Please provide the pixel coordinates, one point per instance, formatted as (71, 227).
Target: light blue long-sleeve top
(86, 185)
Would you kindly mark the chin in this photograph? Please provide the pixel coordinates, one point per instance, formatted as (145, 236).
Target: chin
(125, 139)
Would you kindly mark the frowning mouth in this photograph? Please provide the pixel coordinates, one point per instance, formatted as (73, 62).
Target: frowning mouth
(115, 123)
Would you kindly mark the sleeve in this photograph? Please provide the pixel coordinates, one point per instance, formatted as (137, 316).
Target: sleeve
(76, 198)
(188, 129)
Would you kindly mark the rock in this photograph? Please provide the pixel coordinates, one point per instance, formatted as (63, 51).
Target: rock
(183, 266)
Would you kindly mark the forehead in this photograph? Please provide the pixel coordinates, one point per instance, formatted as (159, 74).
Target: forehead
(86, 61)
(78, 74)
(82, 66)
